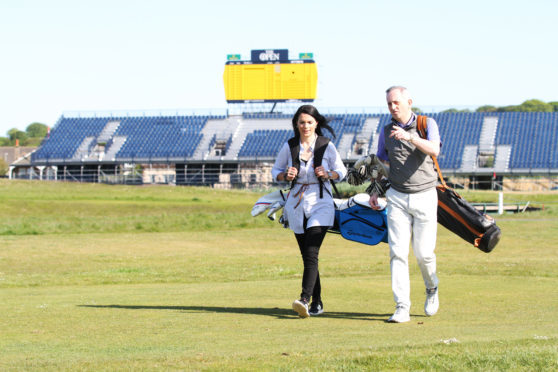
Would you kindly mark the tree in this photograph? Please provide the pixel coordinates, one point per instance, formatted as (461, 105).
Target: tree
(509, 108)
(531, 105)
(487, 108)
(15, 133)
(452, 110)
(535, 105)
(4, 167)
(36, 130)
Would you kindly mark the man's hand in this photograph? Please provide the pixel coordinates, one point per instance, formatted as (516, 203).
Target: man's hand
(373, 201)
(400, 134)
(431, 148)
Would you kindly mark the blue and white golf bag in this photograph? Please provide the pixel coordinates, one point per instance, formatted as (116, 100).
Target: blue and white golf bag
(354, 219)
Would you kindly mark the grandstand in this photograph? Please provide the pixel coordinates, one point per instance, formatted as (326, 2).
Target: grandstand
(238, 150)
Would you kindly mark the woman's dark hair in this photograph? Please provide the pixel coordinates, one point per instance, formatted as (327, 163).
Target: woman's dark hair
(312, 111)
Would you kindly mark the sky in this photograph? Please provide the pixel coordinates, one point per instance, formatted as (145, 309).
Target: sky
(86, 56)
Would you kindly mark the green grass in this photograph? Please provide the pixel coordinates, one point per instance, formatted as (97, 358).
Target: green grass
(88, 208)
(83, 288)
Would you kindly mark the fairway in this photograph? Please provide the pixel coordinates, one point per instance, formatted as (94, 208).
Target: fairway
(97, 277)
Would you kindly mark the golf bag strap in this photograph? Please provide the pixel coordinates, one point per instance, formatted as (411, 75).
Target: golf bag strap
(319, 150)
(337, 195)
(421, 129)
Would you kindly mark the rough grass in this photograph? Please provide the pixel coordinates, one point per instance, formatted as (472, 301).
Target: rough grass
(83, 289)
(88, 208)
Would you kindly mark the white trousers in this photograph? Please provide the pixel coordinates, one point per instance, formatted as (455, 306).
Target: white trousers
(411, 218)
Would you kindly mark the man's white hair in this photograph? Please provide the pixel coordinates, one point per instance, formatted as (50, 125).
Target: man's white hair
(400, 88)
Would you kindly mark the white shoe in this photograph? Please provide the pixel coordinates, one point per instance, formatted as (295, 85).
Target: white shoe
(401, 315)
(432, 303)
(301, 307)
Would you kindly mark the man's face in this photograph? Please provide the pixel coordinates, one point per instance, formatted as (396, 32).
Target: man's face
(399, 105)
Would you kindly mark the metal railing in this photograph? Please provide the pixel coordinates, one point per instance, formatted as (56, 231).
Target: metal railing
(249, 175)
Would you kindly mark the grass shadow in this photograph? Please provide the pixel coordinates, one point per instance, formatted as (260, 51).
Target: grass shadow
(275, 311)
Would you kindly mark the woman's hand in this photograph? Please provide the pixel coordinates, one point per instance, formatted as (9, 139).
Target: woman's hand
(290, 174)
(321, 172)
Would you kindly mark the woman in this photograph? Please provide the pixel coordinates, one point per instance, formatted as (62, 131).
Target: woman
(309, 207)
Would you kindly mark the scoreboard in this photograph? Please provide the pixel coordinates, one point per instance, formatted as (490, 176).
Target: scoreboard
(270, 77)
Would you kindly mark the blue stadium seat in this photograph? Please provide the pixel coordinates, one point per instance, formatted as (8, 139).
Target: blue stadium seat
(531, 135)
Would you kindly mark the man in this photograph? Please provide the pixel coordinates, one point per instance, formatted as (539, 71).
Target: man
(412, 200)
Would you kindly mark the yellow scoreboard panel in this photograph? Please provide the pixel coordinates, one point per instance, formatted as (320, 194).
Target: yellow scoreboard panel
(294, 80)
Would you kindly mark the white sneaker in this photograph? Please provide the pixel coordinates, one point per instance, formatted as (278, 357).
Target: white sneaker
(432, 303)
(301, 307)
(401, 315)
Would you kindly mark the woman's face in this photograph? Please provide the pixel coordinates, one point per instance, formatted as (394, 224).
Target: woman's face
(306, 125)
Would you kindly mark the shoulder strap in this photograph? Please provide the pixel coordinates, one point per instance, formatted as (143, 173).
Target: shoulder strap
(421, 129)
(319, 150)
(321, 146)
(294, 145)
(421, 125)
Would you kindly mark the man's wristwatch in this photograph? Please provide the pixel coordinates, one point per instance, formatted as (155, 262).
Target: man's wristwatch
(330, 175)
